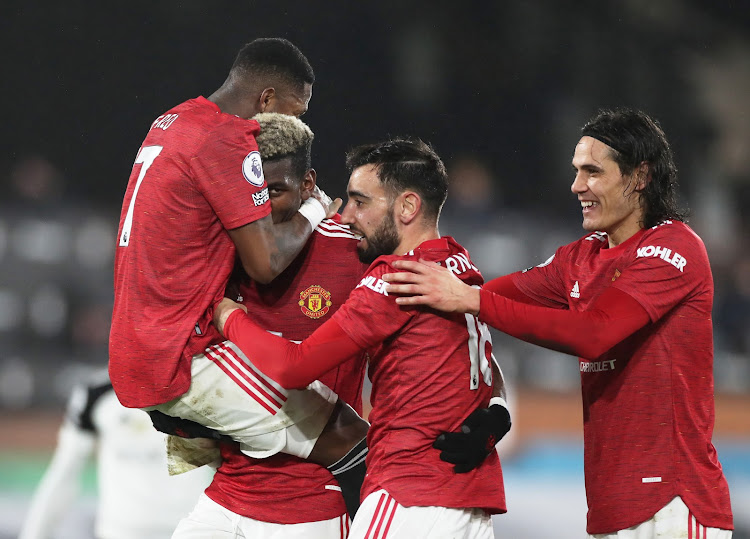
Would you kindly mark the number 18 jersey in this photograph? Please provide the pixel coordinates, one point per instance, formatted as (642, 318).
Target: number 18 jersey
(429, 371)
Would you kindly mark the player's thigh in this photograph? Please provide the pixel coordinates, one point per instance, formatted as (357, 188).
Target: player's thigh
(208, 519)
(382, 517)
(335, 528)
(673, 521)
(229, 394)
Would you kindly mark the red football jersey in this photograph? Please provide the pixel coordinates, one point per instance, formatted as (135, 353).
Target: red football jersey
(284, 489)
(197, 174)
(648, 403)
(429, 371)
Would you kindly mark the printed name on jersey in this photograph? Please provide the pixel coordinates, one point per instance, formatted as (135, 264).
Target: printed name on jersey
(376, 285)
(252, 169)
(164, 121)
(598, 366)
(315, 301)
(261, 197)
(676, 259)
(459, 263)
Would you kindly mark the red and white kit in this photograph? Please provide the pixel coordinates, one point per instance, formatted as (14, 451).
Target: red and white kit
(284, 489)
(429, 371)
(647, 402)
(197, 173)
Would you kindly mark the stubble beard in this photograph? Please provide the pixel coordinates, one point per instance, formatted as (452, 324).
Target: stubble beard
(383, 241)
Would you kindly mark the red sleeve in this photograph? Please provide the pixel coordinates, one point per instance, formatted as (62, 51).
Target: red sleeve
(504, 286)
(228, 171)
(291, 365)
(588, 334)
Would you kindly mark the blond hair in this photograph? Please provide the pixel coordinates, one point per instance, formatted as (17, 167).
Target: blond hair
(283, 136)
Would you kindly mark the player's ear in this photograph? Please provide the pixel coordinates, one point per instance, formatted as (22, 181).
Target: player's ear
(408, 205)
(266, 98)
(308, 184)
(642, 176)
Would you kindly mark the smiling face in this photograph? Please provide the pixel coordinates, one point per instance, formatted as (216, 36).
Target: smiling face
(609, 200)
(369, 213)
(286, 190)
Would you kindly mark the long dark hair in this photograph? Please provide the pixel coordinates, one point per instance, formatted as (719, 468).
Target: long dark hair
(636, 138)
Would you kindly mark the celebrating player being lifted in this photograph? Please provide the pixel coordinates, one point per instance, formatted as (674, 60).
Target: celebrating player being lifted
(429, 371)
(196, 196)
(633, 299)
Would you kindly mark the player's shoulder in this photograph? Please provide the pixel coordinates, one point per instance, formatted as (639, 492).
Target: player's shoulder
(584, 247)
(674, 235)
(204, 122)
(672, 230)
(675, 243)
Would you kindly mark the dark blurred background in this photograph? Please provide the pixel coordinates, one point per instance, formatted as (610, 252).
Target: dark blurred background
(500, 89)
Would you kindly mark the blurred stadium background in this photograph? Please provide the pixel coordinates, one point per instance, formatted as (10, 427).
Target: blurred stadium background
(499, 88)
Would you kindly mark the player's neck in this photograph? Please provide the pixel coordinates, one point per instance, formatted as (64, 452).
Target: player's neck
(411, 239)
(228, 100)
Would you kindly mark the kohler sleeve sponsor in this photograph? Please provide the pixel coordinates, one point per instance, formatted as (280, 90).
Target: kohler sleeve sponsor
(676, 259)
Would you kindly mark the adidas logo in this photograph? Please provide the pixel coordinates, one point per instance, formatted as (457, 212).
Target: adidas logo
(575, 292)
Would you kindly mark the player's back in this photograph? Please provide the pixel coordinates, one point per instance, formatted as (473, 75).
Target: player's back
(193, 177)
(429, 371)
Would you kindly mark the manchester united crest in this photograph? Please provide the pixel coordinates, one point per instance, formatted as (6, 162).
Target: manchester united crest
(315, 301)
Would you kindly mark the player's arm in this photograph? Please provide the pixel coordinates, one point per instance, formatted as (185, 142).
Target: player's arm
(266, 249)
(613, 317)
(291, 365)
(60, 483)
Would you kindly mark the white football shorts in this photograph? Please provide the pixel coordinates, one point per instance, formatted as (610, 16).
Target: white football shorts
(673, 521)
(230, 395)
(382, 517)
(209, 519)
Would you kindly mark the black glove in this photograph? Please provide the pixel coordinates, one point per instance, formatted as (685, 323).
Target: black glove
(479, 433)
(184, 427)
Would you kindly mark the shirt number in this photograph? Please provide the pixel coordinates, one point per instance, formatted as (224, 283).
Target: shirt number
(480, 351)
(145, 157)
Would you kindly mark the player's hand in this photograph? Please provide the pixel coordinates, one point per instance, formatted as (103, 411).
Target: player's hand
(331, 207)
(477, 438)
(428, 283)
(222, 311)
